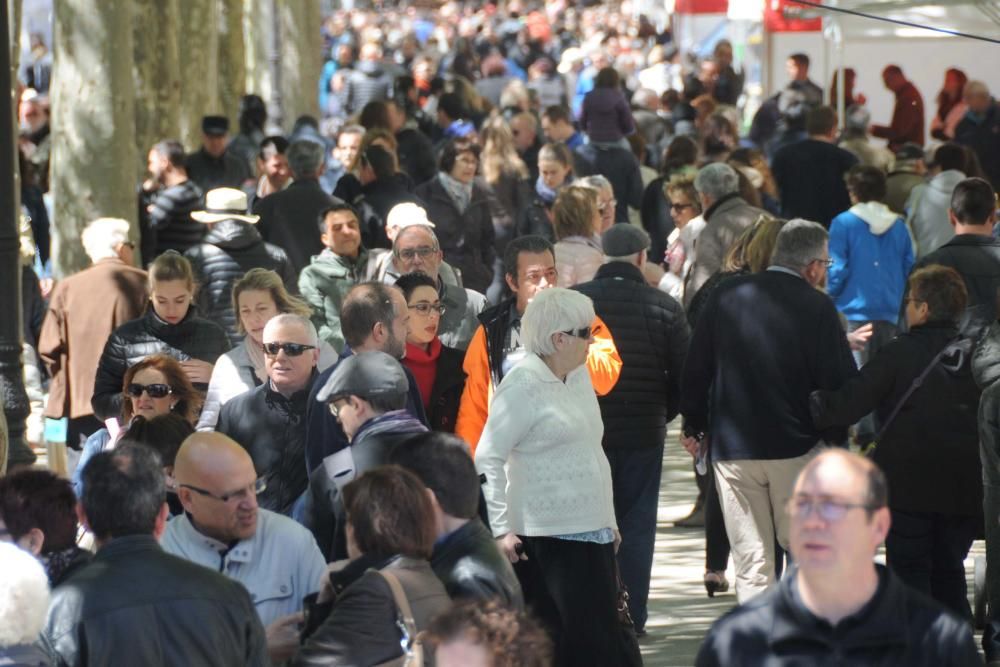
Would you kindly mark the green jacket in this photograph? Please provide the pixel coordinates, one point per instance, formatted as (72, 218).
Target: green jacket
(325, 283)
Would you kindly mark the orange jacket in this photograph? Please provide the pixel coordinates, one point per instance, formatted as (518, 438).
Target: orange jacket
(602, 360)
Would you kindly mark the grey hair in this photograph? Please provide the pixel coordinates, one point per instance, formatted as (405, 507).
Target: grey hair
(717, 180)
(409, 228)
(597, 182)
(305, 157)
(553, 310)
(799, 242)
(285, 319)
(102, 237)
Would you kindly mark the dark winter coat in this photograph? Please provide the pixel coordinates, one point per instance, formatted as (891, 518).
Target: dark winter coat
(983, 137)
(272, 429)
(534, 219)
(898, 626)
(930, 451)
(467, 238)
(656, 218)
(416, 155)
(191, 338)
(323, 511)
(229, 250)
(652, 338)
(810, 176)
(470, 566)
(749, 386)
(290, 220)
(619, 166)
(368, 82)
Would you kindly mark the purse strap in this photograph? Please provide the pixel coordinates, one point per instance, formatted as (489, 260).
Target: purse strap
(405, 612)
(917, 381)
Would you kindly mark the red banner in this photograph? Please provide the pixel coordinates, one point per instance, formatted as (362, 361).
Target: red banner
(701, 6)
(782, 16)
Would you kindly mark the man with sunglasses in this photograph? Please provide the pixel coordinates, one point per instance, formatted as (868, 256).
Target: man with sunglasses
(836, 604)
(223, 529)
(270, 421)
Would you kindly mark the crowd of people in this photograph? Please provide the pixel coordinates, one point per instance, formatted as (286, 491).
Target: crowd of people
(395, 387)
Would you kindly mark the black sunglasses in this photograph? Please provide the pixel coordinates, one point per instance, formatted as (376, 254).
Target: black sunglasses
(158, 390)
(579, 333)
(291, 349)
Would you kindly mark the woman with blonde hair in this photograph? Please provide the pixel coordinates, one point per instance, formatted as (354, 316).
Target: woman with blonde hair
(257, 297)
(170, 326)
(575, 221)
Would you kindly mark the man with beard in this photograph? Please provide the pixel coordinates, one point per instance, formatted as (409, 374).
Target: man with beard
(170, 197)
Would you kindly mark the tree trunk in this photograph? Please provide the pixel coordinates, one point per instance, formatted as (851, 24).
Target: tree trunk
(198, 46)
(232, 60)
(258, 32)
(302, 58)
(157, 75)
(14, 14)
(93, 122)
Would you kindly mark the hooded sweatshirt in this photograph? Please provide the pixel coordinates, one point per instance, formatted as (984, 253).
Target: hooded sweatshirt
(872, 255)
(927, 211)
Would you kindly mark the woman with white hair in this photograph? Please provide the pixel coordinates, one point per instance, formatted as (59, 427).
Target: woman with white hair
(24, 601)
(548, 483)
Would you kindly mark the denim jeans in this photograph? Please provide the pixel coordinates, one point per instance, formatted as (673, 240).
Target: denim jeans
(635, 478)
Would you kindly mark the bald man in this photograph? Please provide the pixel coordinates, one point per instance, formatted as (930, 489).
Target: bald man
(222, 528)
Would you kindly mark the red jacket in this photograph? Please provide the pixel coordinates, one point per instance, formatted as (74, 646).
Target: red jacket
(907, 119)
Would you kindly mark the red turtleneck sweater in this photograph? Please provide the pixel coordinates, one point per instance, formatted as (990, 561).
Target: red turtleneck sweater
(423, 364)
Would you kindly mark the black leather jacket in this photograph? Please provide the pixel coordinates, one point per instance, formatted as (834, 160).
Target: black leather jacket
(229, 250)
(191, 338)
(272, 429)
(136, 604)
(470, 565)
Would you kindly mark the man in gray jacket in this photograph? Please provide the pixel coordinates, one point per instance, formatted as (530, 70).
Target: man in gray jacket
(726, 215)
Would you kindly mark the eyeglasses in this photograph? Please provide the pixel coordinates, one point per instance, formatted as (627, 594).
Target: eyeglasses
(334, 408)
(604, 207)
(583, 333)
(258, 487)
(825, 262)
(423, 252)
(828, 510)
(158, 390)
(426, 308)
(680, 207)
(291, 349)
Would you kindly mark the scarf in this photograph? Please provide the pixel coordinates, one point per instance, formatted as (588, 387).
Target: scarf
(460, 193)
(548, 195)
(423, 364)
(57, 563)
(256, 354)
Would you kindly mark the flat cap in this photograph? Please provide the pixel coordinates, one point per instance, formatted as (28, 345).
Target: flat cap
(366, 375)
(214, 126)
(910, 151)
(623, 239)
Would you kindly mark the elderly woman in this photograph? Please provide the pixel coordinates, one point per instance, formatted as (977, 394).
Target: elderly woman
(390, 537)
(576, 221)
(257, 297)
(606, 202)
(548, 483)
(925, 400)
(460, 210)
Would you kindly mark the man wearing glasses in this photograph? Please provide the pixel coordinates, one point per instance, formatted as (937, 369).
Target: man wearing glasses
(762, 343)
(416, 248)
(836, 604)
(366, 394)
(269, 421)
(223, 529)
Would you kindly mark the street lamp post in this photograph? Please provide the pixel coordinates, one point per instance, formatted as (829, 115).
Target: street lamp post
(12, 394)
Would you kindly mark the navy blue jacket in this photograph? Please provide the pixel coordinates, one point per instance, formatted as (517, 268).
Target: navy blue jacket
(762, 343)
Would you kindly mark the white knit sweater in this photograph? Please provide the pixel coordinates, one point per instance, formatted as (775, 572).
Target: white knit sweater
(546, 472)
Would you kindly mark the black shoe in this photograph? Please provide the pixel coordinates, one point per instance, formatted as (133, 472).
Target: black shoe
(715, 582)
(640, 633)
(696, 519)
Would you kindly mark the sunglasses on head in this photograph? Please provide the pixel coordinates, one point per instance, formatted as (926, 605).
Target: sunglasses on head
(291, 349)
(158, 390)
